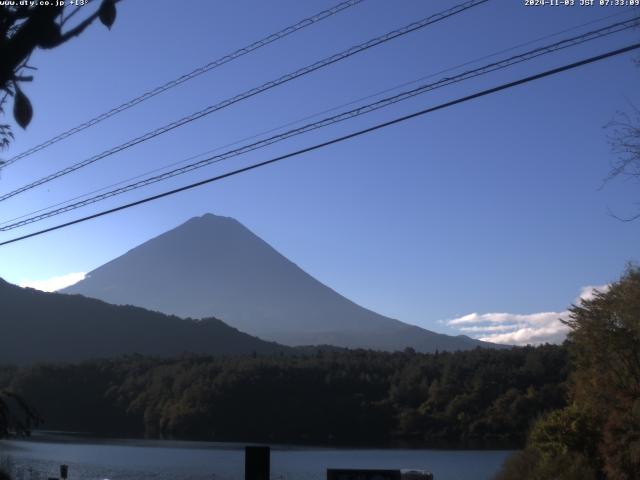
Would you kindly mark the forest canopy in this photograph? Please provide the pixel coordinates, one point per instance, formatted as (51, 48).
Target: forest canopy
(481, 397)
(597, 435)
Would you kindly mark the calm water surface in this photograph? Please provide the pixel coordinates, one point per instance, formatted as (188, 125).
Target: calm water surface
(38, 459)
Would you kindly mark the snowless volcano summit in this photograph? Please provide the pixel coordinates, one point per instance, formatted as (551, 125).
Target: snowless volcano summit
(213, 266)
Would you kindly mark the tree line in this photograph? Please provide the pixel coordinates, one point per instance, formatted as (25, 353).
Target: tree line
(482, 397)
(574, 408)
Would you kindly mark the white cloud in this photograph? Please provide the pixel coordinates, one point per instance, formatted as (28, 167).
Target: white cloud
(54, 283)
(513, 328)
(551, 330)
(520, 329)
(588, 292)
(488, 328)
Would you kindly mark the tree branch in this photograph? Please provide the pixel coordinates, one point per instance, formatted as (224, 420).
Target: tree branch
(78, 29)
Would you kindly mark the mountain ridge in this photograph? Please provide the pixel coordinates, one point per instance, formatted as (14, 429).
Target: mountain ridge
(214, 266)
(38, 326)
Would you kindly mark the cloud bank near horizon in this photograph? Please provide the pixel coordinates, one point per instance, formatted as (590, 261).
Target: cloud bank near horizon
(54, 283)
(520, 329)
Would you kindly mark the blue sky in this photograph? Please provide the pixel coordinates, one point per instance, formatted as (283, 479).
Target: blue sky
(491, 206)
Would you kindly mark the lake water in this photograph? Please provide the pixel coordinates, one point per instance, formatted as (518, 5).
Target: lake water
(39, 459)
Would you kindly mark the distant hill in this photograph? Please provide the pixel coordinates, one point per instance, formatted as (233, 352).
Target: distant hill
(37, 326)
(214, 266)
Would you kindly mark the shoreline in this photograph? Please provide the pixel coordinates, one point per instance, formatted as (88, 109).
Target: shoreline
(88, 438)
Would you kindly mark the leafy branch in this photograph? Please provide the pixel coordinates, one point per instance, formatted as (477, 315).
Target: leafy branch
(24, 28)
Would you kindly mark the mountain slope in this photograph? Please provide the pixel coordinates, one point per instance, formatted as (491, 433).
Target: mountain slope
(37, 326)
(214, 266)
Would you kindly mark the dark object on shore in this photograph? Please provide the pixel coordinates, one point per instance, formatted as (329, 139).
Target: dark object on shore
(64, 472)
(416, 475)
(257, 463)
(362, 474)
(367, 474)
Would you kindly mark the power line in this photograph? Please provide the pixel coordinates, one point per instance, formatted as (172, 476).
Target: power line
(189, 76)
(318, 146)
(254, 91)
(385, 102)
(317, 114)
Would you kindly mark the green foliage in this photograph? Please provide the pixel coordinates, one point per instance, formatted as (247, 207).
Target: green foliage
(563, 431)
(480, 397)
(530, 464)
(598, 434)
(604, 343)
(621, 441)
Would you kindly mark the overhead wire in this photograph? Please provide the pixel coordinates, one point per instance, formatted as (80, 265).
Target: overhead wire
(186, 77)
(254, 91)
(385, 102)
(336, 140)
(317, 114)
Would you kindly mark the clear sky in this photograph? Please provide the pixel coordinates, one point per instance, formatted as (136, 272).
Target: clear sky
(490, 206)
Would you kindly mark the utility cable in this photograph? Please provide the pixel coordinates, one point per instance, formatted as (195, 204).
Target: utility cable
(333, 141)
(315, 115)
(188, 76)
(254, 91)
(385, 102)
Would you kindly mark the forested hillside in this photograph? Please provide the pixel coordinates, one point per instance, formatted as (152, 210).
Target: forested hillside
(43, 327)
(482, 397)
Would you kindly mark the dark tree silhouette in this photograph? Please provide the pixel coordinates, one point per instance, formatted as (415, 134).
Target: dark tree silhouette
(473, 398)
(624, 138)
(23, 28)
(625, 142)
(16, 416)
